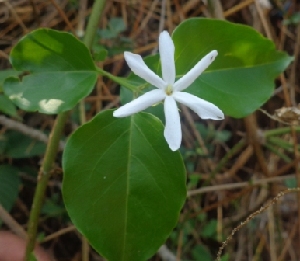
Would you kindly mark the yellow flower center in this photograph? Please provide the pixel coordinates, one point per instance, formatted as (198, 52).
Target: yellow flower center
(169, 90)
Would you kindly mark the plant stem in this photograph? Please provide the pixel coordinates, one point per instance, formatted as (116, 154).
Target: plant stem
(234, 150)
(277, 152)
(43, 177)
(52, 147)
(119, 80)
(92, 26)
(88, 40)
(280, 131)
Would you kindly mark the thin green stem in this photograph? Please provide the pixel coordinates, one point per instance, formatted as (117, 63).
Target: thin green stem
(280, 131)
(43, 177)
(277, 152)
(92, 26)
(281, 143)
(88, 40)
(234, 150)
(119, 80)
(52, 147)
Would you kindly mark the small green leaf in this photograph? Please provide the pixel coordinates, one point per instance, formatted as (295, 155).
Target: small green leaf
(293, 19)
(53, 207)
(7, 106)
(117, 24)
(9, 186)
(291, 183)
(200, 252)
(5, 74)
(99, 52)
(209, 230)
(225, 257)
(18, 145)
(62, 72)
(123, 187)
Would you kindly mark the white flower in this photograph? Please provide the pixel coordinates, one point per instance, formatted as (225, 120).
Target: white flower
(169, 90)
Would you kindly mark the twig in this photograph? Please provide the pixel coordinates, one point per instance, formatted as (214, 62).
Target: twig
(288, 241)
(263, 20)
(19, 20)
(250, 217)
(238, 7)
(58, 233)
(30, 132)
(238, 185)
(81, 18)
(63, 15)
(271, 227)
(11, 223)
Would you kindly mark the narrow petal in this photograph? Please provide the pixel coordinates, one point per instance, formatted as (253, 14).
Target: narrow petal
(186, 80)
(166, 52)
(141, 103)
(173, 129)
(138, 66)
(204, 109)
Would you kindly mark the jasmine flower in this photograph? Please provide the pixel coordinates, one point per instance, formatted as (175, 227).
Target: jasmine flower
(169, 91)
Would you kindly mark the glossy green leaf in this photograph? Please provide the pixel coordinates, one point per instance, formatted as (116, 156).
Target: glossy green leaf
(9, 186)
(241, 78)
(123, 187)
(61, 67)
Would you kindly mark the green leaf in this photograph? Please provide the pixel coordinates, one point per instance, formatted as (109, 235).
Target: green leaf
(225, 257)
(123, 187)
(293, 19)
(9, 186)
(62, 72)
(7, 106)
(209, 230)
(99, 52)
(53, 207)
(241, 78)
(5, 74)
(18, 145)
(117, 24)
(200, 252)
(115, 27)
(291, 183)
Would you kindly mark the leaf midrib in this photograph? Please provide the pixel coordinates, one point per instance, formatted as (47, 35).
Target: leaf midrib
(127, 187)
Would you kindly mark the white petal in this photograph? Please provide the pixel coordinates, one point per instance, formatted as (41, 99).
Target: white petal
(138, 66)
(172, 131)
(186, 80)
(204, 109)
(141, 103)
(166, 52)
